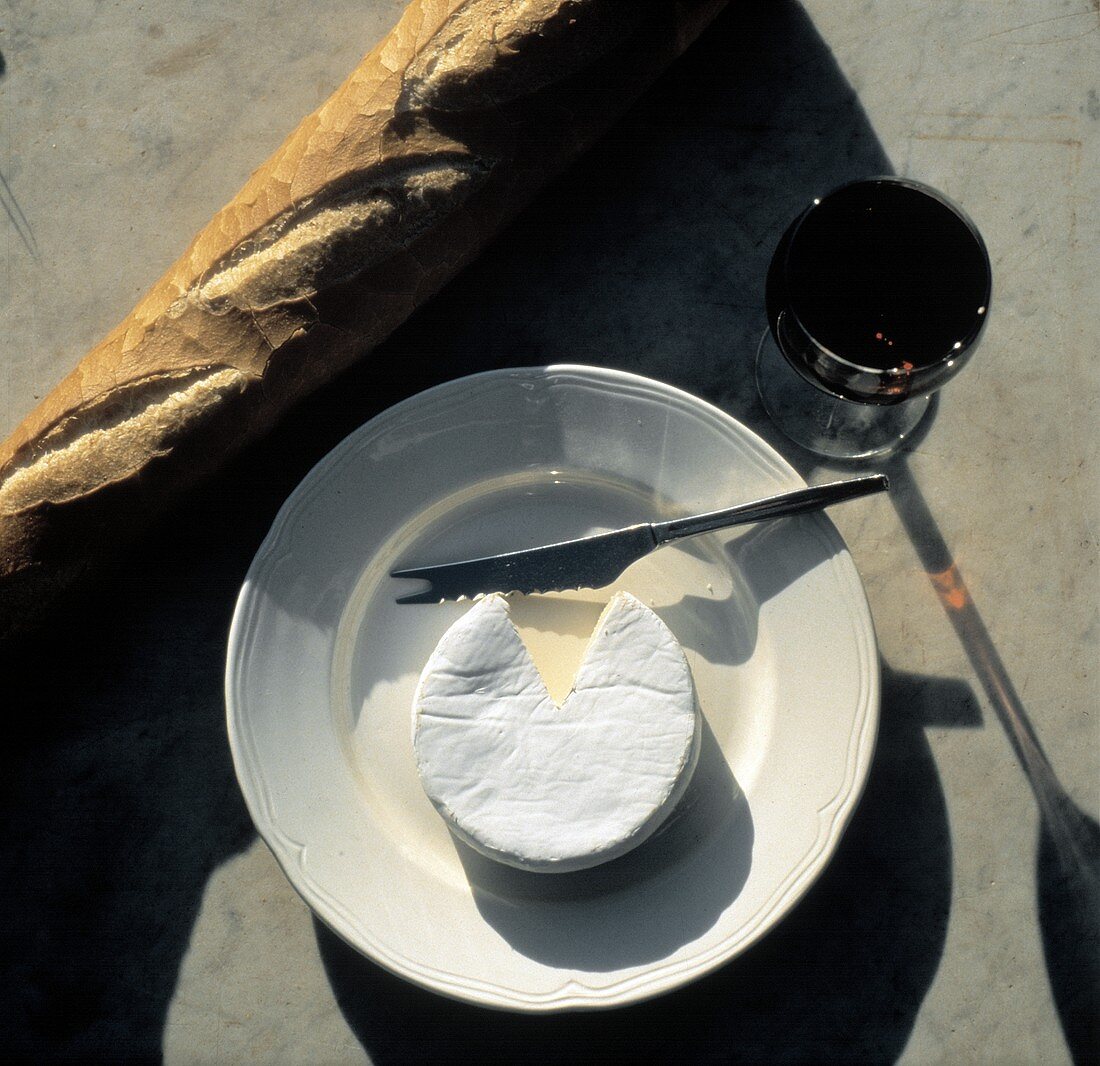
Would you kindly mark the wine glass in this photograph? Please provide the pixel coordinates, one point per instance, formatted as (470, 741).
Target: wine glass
(877, 294)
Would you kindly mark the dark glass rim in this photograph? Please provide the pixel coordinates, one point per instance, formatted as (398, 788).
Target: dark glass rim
(898, 383)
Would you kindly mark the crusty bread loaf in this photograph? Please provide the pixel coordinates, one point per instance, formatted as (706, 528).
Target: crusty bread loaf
(438, 137)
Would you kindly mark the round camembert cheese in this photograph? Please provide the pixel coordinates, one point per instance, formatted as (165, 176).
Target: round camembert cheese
(552, 788)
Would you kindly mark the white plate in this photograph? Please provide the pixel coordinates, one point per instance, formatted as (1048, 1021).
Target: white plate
(322, 666)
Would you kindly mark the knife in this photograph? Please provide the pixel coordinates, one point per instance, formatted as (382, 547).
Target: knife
(592, 562)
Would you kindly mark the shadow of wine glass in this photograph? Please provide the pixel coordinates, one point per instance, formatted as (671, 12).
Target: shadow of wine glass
(1067, 865)
(1067, 870)
(1068, 851)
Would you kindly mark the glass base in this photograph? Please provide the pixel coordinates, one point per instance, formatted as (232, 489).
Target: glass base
(823, 423)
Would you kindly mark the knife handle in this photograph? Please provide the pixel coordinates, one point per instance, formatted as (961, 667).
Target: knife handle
(786, 503)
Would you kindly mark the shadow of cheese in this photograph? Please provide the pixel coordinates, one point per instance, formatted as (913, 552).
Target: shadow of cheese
(641, 907)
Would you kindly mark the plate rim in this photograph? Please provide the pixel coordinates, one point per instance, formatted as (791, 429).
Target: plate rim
(633, 989)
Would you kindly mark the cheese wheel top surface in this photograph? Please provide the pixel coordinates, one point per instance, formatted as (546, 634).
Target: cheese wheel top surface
(547, 787)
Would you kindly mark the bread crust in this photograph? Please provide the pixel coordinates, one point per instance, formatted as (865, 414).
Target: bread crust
(379, 197)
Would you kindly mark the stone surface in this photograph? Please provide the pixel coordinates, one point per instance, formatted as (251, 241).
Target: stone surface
(143, 916)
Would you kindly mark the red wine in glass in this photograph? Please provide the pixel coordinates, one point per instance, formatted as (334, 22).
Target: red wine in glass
(877, 294)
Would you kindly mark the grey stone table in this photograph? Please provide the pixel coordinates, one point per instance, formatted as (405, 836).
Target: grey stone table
(143, 917)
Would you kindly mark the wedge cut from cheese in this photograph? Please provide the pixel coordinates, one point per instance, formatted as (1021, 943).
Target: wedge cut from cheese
(552, 788)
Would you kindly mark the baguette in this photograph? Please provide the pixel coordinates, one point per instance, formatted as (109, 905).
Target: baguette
(440, 135)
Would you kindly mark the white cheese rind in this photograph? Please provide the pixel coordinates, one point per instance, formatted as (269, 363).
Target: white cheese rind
(554, 788)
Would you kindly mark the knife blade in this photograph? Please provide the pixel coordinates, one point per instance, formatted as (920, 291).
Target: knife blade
(596, 561)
